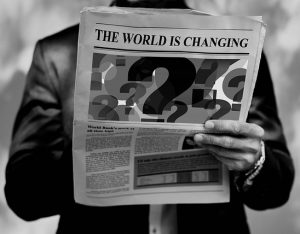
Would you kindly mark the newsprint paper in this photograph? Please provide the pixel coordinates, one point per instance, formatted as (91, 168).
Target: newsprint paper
(146, 81)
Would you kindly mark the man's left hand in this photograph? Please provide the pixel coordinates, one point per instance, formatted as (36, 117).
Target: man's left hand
(236, 144)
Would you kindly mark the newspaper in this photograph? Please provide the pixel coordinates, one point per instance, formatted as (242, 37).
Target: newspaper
(146, 81)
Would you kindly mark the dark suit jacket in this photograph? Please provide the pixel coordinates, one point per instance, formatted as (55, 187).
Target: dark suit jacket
(39, 179)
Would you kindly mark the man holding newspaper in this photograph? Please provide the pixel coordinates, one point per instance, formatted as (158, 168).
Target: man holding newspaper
(39, 175)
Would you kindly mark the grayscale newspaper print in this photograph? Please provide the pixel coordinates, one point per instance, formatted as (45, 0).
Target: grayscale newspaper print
(146, 81)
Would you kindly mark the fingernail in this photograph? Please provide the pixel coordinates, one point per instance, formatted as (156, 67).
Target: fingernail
(209, 125)
(198, 137)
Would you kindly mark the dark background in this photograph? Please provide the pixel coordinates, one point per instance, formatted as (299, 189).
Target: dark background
(22, 23)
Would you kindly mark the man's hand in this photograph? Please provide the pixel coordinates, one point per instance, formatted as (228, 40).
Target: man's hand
(235, 144)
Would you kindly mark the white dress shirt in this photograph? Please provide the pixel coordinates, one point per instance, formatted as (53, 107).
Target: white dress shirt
(163, 219)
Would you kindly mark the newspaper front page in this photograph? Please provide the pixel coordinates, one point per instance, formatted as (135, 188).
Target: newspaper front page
(146, 81)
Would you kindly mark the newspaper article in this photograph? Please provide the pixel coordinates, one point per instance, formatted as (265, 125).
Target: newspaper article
(146, 81)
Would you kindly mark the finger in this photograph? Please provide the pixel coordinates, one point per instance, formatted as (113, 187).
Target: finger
(232, 164)
(223, 152)
(251, 145)
(235, 128)
(246, 157)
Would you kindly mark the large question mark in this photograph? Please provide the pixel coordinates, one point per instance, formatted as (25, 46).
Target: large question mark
(102, 108)
(139, 91)
(179, 69)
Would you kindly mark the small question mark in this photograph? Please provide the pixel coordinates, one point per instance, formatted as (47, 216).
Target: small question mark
(96, 76)
(102, 108)
(222, 107)
(139, 91)
(234, 83)
(180, 111)
(101, 71)
(211, 70)
(232, 88)
(208, 73)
